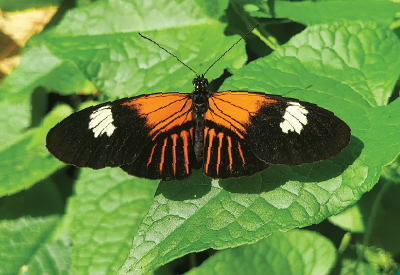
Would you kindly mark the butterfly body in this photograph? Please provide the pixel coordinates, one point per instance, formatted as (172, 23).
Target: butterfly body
(231, 134)
(199, 98)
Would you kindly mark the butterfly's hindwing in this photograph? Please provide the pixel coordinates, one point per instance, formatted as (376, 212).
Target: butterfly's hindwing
(226, 154)
(169, 156)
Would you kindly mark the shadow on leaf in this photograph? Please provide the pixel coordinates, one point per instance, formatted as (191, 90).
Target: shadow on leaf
(278, 175)
(198, 185)
(194, 187)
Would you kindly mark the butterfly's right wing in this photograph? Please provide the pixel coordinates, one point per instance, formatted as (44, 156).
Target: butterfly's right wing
(128, 133)
(246, 132)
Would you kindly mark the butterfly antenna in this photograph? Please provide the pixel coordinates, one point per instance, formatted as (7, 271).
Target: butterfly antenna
(231, 47)
(167, 52)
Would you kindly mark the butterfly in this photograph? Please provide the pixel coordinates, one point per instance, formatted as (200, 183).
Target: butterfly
(231, 133)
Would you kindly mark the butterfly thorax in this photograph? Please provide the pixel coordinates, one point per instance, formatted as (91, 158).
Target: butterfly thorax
(200, 97)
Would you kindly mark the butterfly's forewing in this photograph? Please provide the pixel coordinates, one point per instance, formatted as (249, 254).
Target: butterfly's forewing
(99, 136)
(267, 129)
(293, 132)
(129, 132)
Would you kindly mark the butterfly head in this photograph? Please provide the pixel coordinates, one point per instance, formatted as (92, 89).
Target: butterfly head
(200, 83)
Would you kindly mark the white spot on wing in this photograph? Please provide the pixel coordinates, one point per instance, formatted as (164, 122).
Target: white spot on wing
(101, 121)
(295, 118)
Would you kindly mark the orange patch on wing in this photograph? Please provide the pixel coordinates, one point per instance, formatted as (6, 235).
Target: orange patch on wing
(205, 134)
(174, 138)
(220, 137)
(184, 136)
(162, 155)
(233, 109)
(230, 152)
(191, 134)
(241, 153)
(151, 155)
(211, 134)
(162, 111)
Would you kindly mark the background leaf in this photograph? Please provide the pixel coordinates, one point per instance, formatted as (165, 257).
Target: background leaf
(103, 217)
(27, 4)
(320, 12)
(26, 247)
(27, 161)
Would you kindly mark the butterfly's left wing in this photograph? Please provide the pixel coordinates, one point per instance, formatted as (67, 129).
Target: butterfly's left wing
(148, 136)
(273, 129)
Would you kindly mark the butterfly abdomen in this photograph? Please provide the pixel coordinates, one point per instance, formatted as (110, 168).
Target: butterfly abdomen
(200, 107)
(199, 139)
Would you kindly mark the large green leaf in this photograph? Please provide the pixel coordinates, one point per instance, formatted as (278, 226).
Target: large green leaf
(362, 55)
(320, 12)
(294, 252)
(121, 63)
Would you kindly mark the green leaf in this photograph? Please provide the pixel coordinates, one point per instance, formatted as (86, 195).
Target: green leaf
(25, 247)
(294, 252)
(311, 12)
(380, 259)
(351, 220)
(392, 171)
(38, 67)
(351, 267)
(103, 216)
(362, 55)
(21, 5)
(27, 161)
(14, 118)
(120, 63)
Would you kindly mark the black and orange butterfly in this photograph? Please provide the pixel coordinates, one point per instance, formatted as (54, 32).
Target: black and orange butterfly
(232, 133)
